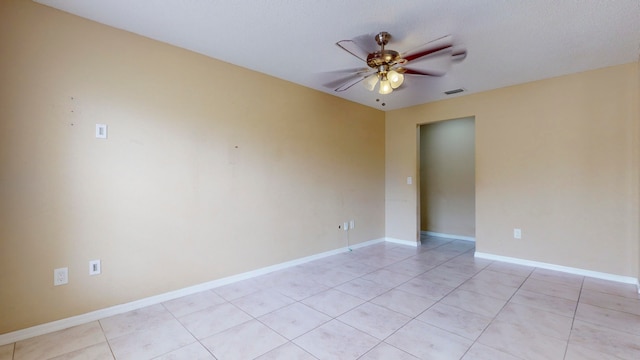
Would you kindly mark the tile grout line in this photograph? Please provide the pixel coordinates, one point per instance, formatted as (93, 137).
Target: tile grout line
(395, 287)
(432, 305)
(301, 303)
(187, 330)
(105, 339)
(497, 314)
(573, 320)
(380, 341)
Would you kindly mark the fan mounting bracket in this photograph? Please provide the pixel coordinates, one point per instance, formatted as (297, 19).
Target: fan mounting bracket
(383, 38)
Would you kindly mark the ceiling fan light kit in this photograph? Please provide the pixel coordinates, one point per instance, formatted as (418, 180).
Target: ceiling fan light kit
(371, 82)
(385, 85)
(395, 78)
(389, 80)
(389, 67)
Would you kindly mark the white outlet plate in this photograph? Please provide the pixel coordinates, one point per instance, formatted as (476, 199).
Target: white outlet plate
(352, 224)
(345, 226)
(60, 276)
(517, 233)
(94, 267)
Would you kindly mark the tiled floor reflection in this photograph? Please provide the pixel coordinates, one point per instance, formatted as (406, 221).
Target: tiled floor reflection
(384, 301)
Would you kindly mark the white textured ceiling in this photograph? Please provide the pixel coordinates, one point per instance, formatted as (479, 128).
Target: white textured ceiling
(508, 41)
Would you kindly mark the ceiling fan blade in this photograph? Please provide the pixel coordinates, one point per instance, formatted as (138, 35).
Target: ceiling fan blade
(354, 49)
(407, 71)
(349, 83)
(360, 70)
(459, 54)
(346, 76)
(436, 64)
(367, 42)
(336, 83)
(429, 48)
(442, 56)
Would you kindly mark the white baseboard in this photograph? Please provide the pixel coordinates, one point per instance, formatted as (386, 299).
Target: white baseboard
(356, 246)
(402, 242)
(448, 236)
(566, 269)
(66, 323)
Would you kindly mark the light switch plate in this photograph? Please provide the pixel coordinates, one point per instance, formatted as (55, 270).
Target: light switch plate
(101, 131)
(94, 267)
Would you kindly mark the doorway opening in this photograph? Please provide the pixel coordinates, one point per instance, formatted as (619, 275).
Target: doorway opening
(446, 192)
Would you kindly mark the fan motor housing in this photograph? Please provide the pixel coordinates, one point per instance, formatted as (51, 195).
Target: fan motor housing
(382, 58)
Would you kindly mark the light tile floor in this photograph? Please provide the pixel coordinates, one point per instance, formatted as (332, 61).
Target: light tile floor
(384, 301)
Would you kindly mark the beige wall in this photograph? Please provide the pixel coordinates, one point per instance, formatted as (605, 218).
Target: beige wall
(447, 177)
(557, 158)
(195, 182)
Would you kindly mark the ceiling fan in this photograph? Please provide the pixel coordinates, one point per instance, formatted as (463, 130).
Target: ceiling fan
(388, 67)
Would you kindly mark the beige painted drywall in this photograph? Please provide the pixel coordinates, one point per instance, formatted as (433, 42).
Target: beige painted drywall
(447, 177)
(557, 158)
(196, 181)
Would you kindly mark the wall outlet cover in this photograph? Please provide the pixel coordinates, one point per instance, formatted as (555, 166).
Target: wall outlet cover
(517, 233)
(60, 276)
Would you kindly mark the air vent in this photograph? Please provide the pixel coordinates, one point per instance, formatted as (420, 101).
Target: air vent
(454, 91)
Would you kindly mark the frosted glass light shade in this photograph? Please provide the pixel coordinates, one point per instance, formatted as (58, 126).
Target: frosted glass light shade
(385, 87)
(395, 78)
(370, 83)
